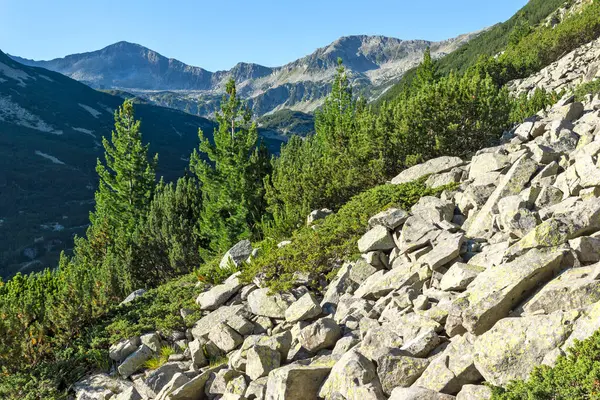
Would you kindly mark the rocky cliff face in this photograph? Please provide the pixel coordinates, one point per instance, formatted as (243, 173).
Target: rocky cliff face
(426, 313)
(375, 63)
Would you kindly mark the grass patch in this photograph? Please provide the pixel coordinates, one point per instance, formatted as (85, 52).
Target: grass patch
(161, 358)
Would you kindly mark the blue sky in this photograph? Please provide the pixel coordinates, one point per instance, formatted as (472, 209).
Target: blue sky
(217, 34)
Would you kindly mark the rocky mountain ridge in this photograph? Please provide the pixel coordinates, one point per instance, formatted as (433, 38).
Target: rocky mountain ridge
(375, 63)
(512, 251)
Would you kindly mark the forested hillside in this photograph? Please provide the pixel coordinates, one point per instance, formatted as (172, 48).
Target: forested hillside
(58, 325)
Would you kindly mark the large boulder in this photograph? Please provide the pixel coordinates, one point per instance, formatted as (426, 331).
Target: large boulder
(459, 276)
(272, 305)
(453, 368)
(474, 392)
(391, 218)
(237, 254)
(135, 361)
(120, 351)
(434, 166)
(225, 338)
(296, 382)
(514, 346)
(378, 238)
(573, 289)
(218, 295)
(321, 334)
(203, 326)
(306, 307)
(194, 388)
(99, 387)
(261, 360)
(418, 393)
(495, 291)
(160, 377)
(515, 180)
(353, 377)
(398, 369)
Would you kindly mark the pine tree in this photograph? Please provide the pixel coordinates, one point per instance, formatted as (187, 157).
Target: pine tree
(128, 179)
(426, 73)
(231, 169)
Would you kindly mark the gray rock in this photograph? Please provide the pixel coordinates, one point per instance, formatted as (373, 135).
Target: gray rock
(531, 338)
(487, 162)
(417, 233)
(296, 382)
(135, 361)
(133, 295)
(434, 166)
(261, 360)
(321, 334)
(495, 291)
(225, 338)
(422, 345)
(123, 349)
(352, 377)
(99, 387)
(256, 389)
(203, 327)
(344, 345)
(237, 254)
(129, 394)
(474, 392)
(391, 218)
(361, 270)
(240, 324)
(218, 295)
(587, 248)
(197, 353)
(397, 369)
(306, 307)
(273, 306)
(316, 215)
(156, 380)
(453, 368)
(515, 180)
(573, 289)
(378, 238)
(418, 393)
(194, 388)
(446, 248)
(459, 276)
(338, 286)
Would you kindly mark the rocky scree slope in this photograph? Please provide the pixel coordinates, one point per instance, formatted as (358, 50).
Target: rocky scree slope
(375, 63)
(476, 286)
(579, 66)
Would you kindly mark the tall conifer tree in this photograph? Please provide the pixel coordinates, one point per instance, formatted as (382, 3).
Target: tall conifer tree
(231, 169)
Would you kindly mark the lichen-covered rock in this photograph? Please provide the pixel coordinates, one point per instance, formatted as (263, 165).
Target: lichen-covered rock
(459, 276)
(495, 291)
(474, 392)
(158, 378)
(434, 166)
(261, 360)
(391, 218)
(446, 248)
(123, 349)
(197, 353)
(573, 289)
(135, 361)
(128, 394)
(353, 377)
(218, 295)
(237, 254)
(398, 369)
(263, 303)
(321, 334)
(203, 326)
(295, 382)
(418, 393)
(453, 368)
(152, 340)
(225, 338)
(514, 346)
(378, 238)
(306, 307)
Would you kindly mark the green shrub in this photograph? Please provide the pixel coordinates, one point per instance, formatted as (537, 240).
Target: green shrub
(575, 376)
(584, 89)
(316, 251)
(524, 106)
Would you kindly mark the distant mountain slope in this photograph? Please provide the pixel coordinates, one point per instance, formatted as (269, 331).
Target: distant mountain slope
(50, 133)
(490, 42)
(375, 63)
